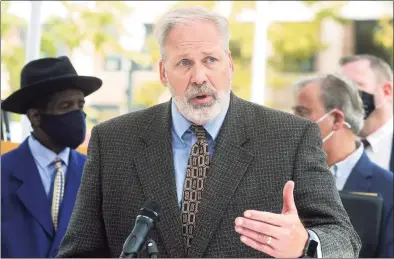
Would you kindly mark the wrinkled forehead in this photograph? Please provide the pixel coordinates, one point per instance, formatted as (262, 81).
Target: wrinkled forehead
(310, 92)
(192, 37)
(357, 68)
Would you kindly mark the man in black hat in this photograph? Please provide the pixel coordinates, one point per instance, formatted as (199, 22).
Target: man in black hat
(40, 178)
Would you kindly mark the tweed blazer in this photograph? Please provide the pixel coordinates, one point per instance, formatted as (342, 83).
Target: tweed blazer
(257, 151)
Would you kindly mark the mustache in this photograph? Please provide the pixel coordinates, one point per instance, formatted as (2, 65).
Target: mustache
(196, 90)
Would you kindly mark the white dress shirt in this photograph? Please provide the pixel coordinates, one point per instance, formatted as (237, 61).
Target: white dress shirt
(342, 170)
(381, 142)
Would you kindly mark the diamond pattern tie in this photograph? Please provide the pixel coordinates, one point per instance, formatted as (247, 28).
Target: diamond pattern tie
(58, 192)
(196, 172)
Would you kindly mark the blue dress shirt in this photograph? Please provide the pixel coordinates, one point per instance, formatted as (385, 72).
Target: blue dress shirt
(44, 158)
(183, 139)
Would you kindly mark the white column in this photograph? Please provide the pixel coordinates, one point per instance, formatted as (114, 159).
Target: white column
(259, 60)
(332, 34)
(32, 51)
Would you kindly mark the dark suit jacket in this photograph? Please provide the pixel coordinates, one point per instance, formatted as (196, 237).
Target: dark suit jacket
(26, 224)
(369, 177)
(257, 151)
(392, 158)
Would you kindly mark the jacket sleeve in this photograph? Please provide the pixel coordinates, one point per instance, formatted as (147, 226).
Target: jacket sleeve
(85, 236)
(318, 202)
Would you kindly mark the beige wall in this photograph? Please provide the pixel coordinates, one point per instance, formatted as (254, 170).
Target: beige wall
(333, 35)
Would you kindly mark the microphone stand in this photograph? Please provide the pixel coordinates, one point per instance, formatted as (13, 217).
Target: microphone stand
(153, 251)
(151, 247)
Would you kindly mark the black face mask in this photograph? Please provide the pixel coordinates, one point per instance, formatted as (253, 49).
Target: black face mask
(67, 129)
(368, 102)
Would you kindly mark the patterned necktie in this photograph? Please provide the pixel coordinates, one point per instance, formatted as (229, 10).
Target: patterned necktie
(197, 169)
(58, 191)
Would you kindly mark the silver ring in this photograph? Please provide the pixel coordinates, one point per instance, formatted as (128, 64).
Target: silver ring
(269, 241)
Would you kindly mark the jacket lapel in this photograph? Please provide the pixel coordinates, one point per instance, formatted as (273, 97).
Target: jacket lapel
(73, 179)
(31, 192)
(229, 163)
(361, 176)
(155, 169)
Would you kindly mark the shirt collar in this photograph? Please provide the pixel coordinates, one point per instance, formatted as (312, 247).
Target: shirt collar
(45, 156)
(382, 132)
(345, 167)
(181, 124)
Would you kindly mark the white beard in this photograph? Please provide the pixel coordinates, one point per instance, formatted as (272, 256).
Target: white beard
(201, 114)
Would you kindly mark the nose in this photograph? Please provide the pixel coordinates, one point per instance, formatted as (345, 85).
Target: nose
(199, 76)
(76, 106)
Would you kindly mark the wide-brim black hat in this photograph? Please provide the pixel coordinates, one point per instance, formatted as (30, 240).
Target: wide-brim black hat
(46, 76)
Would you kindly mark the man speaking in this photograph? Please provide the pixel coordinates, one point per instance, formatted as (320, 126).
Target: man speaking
(233, 179)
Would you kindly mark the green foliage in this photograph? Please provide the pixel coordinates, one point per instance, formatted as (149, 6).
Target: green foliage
(56, 32)
(300, 41)
(241, 47)
(384, 33)
(330, 10)
(153, 48)
(149, 93)
(12, 51)
(297, 42)
(239, 6)
(100, 25)
(9, 21)
(13, 59)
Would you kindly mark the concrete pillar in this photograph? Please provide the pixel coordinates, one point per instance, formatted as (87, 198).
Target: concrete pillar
(332, 34)
(33, 43)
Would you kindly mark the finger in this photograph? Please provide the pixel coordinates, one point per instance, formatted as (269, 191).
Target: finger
(267, 217)
(260, 227)
(288, 198)
(258, 246)
(257, 237)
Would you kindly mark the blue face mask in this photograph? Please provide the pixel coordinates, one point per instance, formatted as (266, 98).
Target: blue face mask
(67, 129)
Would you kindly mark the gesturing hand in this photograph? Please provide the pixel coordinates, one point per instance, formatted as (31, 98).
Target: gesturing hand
(278, 235)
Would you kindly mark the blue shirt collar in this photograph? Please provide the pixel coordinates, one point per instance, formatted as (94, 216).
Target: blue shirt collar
(181, 124)
(45, 156)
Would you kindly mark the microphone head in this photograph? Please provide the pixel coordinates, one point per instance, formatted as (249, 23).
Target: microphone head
(151, 209)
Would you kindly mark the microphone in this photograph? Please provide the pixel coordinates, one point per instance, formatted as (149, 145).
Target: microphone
(146, 219)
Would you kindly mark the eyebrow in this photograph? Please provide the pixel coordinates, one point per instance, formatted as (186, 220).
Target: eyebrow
(185, 55)
(208, 53)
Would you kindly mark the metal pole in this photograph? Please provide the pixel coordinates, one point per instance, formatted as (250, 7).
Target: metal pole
(259, 61)
(32, 51)
(129, 91)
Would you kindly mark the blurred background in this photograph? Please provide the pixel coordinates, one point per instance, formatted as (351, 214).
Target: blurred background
(273, 43)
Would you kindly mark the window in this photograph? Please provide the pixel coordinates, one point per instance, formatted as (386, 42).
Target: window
(149, 29)
(113, 63)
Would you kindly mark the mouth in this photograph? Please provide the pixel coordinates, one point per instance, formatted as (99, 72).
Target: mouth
(202, 98)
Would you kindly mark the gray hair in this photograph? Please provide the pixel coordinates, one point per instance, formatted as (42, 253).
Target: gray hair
(186, 15)
(341, 93)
